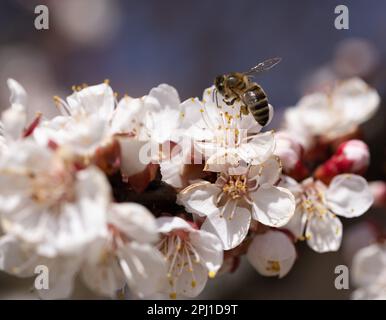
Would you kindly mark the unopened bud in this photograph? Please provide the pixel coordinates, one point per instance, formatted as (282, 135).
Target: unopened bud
(352, 156)
(378, 189)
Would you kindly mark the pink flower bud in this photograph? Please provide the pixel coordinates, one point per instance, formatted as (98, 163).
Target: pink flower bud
(352, 156)
(356, 152)
(378, 189)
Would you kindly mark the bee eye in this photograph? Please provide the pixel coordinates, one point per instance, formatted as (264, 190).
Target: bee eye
(232, 81)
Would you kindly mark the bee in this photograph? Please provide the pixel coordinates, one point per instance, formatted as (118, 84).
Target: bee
(237, 86)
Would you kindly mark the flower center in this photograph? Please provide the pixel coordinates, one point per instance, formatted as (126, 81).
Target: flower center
(312, 201)
(273, 266)
(236, 187)
(52, 189)
(180, 255)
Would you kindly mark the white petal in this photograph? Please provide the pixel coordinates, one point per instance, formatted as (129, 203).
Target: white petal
(131, 161)
(324, 233)
(270, 172)
(144, 268)
(368, 264)
(209, 249)
(134, 220)
(18, 93)
(13, 121)
(97, 99)
(273, 206)
(77, 223)
(272, 254)
(168, 224)
(101, 271)
(200, 198)
(166, 95)
(349, 195)
(258, 149)
(191, 284)
(231, 231)
(356, 100)
(316, 113)
(62, 274)
(128, 116)
(15, 259)
(297, 223)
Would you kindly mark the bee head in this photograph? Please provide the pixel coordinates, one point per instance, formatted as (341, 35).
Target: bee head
(220, 84)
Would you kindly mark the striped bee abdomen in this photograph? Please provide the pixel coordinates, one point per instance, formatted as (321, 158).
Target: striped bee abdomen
(256, 101)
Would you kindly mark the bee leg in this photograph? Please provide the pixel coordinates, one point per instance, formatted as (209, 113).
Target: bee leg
(216, 97)
(229, 103)
(244, 110)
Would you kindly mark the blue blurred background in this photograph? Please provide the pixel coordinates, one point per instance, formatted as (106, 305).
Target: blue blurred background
(139, 44)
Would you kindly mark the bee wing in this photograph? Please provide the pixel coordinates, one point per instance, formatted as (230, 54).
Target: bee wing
(264, 66)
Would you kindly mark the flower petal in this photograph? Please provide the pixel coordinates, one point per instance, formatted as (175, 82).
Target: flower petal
(273, 206)
(200, 198)
(324, 233)
(18, 93)
(144, 268)
(257, 148)
(191, 284)
(272, 254)
(297, 223)
(270, 172)
(168, 224)
(356, 100)
(209, 249)
(349, 195)
(134, 220)
(230, 230)
(101, 271)
(368, 263)
(98, 99)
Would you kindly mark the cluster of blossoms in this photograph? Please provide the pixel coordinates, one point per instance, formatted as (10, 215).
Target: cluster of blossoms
(368, 268)
(158, 195)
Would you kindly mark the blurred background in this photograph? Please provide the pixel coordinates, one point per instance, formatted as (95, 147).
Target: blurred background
(139, 44)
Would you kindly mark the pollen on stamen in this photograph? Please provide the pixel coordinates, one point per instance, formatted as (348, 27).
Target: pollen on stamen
(173, 295)
(211, 274)
(194, 283)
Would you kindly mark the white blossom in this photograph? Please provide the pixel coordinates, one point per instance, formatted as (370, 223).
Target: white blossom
(126, 254)
(333, 114)
(319, 205)
(369, 273)
(223, 135)
(229, 204)
(191, 255)
(49, 204)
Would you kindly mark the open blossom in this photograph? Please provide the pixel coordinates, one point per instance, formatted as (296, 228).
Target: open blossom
(125, 254)
(318, 206)
(223, 135)
(333, 114)
(229, 204)
(191, 254)
(369, 272)
(20, 258)
(91, 119)
(47, 203)
(272, 253)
